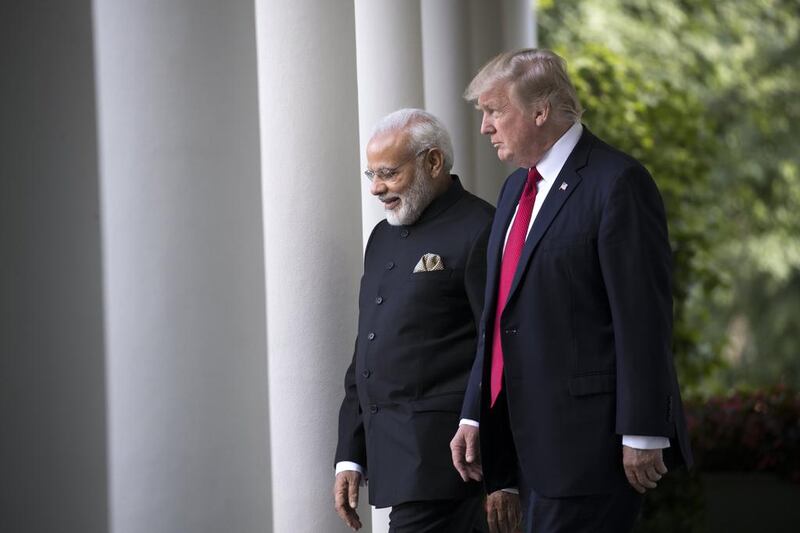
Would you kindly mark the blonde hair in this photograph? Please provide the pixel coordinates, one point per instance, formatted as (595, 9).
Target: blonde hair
(533, 76)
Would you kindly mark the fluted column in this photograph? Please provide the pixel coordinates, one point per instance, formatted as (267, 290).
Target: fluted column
(446, 54)
(309, 161)
(183, 266)
(390, 75)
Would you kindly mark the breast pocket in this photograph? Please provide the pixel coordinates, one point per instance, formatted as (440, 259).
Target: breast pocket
(440, 276)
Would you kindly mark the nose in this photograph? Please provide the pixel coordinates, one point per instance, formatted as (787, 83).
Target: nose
(377, 187)
(487, 127)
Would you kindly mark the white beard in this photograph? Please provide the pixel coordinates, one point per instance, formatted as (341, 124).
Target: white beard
(413, 201)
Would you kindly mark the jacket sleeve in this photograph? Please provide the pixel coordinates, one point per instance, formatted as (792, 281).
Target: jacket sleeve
(471, 408)
(351, 445)
(477, 291)
(636, 263)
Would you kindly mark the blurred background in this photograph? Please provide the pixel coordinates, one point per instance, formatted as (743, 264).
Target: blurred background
(182, 221)
(707, 95)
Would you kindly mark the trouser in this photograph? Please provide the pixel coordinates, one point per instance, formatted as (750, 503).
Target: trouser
(439, 516)
(599, 513)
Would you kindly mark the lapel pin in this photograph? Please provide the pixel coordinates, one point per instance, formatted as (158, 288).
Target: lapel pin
(563, 186)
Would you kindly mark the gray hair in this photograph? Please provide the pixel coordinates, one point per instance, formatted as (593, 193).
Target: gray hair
(534, 76)
(424, 131)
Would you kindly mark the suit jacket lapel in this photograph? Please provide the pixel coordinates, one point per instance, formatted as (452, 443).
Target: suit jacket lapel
(556, 197)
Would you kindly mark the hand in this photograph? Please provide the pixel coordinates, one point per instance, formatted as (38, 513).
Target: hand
(643, 468)
(503, 512)
(466, 454)
(345, 497)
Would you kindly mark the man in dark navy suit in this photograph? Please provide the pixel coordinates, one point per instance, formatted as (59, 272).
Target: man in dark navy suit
(580, 405)
(420, 301)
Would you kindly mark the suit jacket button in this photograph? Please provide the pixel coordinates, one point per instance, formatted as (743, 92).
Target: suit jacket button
(379, 300)
(404, 233)
(371, 336)
(373, 408)
(389, 265)
(365, 373)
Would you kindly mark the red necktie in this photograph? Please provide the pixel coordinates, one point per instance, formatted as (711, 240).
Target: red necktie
(511, 255)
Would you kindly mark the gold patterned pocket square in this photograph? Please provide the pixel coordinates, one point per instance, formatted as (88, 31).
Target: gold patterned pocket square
(429, 263)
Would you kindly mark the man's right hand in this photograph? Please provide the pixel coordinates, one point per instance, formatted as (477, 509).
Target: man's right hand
(345, 497)
(503, 512)
(466, 453)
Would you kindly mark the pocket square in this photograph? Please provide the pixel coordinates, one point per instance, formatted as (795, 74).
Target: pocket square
(429, 263)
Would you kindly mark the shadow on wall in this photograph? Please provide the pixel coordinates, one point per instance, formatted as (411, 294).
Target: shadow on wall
(53, 475)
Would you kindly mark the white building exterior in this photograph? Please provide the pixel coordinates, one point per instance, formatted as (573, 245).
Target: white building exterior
(182, 216)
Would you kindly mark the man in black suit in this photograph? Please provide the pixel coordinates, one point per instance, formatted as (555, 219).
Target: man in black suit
(420, 301)
(579, 400)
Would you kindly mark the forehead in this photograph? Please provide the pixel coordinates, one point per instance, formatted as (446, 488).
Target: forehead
(387, 148)
(493, 97)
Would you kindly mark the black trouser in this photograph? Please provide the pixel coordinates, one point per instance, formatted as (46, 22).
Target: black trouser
(599, 513)
(439, 516)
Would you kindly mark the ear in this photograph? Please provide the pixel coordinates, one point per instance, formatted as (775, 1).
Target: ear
(541, 112)
(434, 160)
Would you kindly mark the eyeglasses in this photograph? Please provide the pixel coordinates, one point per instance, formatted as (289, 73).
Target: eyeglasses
(389, 175)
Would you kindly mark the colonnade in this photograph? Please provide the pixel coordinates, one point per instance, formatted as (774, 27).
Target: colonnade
(182, 227)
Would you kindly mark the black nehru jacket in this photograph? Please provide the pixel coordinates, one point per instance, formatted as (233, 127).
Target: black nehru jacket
(415, 347)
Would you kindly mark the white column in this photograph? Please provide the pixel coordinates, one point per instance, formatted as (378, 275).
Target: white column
(390, 75)
(446, 54)
(486, 42)
(183, 266)
(495, 27)
(309, 154)
(518, 23)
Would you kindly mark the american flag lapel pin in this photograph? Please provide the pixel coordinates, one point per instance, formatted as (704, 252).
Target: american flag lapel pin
(563, 186)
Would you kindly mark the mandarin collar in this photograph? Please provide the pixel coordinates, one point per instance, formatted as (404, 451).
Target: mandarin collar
(441, 202)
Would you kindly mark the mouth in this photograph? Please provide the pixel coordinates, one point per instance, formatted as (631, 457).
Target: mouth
(390, 203)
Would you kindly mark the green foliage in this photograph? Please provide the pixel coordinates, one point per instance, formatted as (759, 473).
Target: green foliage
(707, 95)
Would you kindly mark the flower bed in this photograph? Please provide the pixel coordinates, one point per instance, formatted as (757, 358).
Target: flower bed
(747, 468)
(748, 432)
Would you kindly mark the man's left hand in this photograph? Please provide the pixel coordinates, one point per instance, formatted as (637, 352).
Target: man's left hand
(643, 468)
(503, 512)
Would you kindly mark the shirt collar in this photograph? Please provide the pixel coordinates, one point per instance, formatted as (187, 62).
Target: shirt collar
(553, 160)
